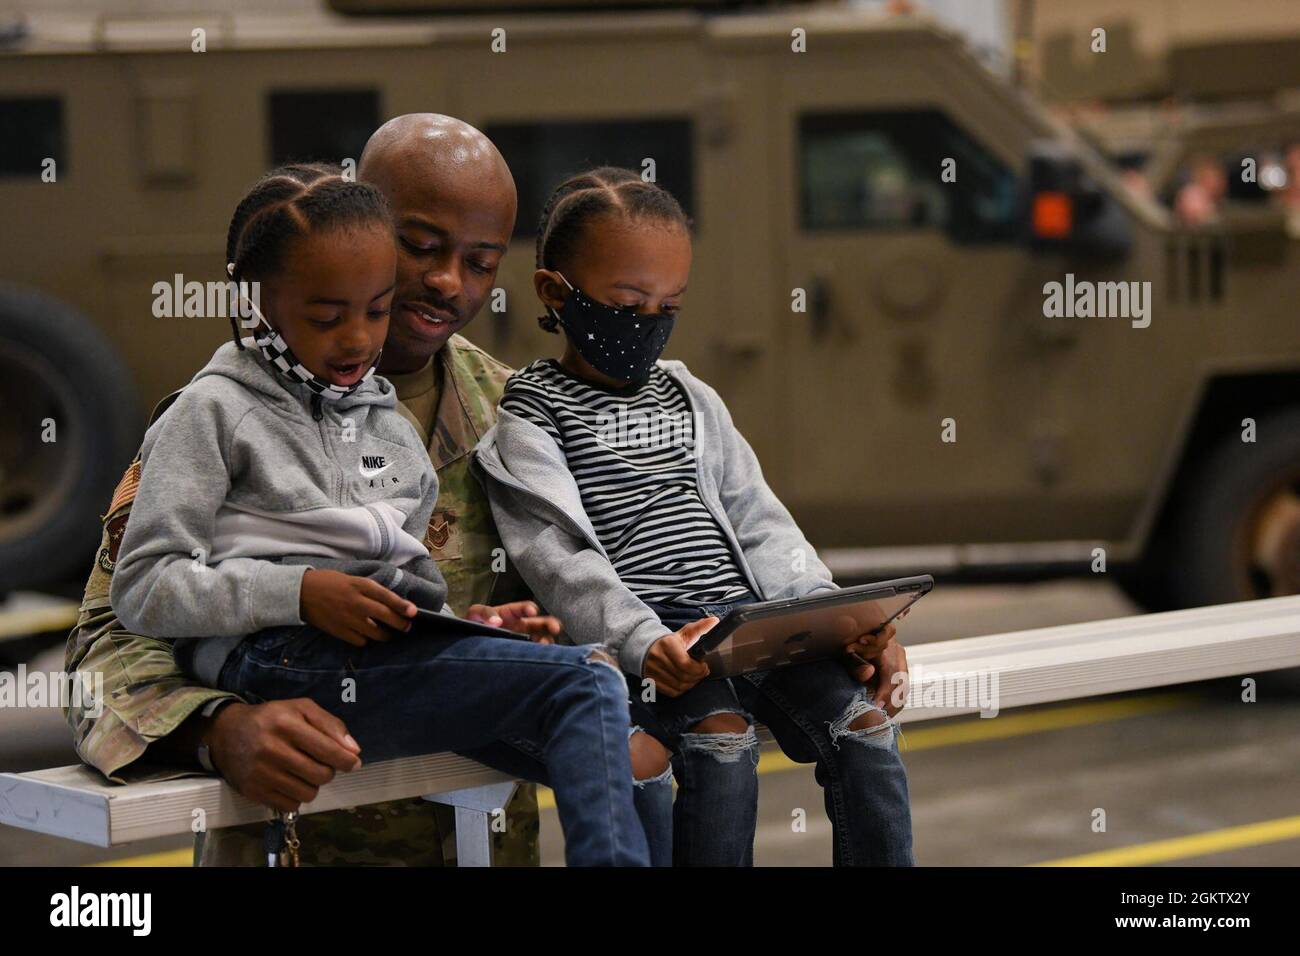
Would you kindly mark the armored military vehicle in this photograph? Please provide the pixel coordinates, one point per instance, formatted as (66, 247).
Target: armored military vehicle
(958, 342)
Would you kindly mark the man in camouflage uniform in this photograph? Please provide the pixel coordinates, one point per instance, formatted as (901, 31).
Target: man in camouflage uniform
(454, 203)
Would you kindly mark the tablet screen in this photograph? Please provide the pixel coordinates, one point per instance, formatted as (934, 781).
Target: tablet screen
(781, 638)
(434, 624)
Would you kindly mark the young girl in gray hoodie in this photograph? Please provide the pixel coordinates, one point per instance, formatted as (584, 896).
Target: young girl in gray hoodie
(625, 495)
(248, 492)
(278, 531)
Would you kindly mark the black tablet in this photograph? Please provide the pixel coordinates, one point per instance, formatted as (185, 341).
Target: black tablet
(770, 634)
(444, 625)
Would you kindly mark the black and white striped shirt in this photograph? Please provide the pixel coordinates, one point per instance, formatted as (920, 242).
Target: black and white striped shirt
(631, 452)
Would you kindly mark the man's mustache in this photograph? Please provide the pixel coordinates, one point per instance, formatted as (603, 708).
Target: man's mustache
(435, 305)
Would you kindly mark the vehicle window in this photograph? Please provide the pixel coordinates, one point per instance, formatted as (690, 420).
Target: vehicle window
(31, 129)
(882, 171)
(320, 125)
(542, 155)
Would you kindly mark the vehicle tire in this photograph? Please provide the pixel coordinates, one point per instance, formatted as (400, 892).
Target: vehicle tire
(1149, 584)
(73, 425)
(1236, 535)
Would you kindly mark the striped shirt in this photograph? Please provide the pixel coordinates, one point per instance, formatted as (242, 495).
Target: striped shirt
(632, 453)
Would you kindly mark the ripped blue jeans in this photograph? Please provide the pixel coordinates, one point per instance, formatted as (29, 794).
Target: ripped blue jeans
(809, 709)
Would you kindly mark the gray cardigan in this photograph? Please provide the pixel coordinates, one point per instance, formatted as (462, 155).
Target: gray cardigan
(547, 533)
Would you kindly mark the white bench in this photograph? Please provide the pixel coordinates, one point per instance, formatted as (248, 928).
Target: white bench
(1031, 667)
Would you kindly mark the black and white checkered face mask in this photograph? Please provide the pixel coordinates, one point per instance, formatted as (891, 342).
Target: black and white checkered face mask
(276, 351)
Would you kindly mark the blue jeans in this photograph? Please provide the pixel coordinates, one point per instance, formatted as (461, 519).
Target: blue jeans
(808, 708)
(550, 713)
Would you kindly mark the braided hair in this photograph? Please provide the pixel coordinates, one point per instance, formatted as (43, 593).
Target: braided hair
(604, 191)
(289, 202)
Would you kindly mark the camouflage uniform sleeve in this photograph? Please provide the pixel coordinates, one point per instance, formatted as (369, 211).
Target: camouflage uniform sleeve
(140, 694)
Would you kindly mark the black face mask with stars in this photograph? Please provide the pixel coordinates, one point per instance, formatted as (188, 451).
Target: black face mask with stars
(617, 342)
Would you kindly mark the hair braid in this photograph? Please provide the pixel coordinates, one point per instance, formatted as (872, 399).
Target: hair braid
(289, 202)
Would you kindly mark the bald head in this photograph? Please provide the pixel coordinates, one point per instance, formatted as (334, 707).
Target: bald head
(454, 202)
(435, 148)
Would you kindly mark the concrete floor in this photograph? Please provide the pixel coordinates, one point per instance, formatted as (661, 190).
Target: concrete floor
(1162, 764)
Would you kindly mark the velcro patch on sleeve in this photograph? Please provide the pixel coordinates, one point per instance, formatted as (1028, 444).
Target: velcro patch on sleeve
(443, 538)
(126, 488)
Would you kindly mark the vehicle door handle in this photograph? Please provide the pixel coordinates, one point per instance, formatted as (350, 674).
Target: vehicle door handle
(819, 306)
(822, 321)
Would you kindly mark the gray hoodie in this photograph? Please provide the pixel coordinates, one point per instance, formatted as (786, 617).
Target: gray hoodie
(547, 533)
(241, 486)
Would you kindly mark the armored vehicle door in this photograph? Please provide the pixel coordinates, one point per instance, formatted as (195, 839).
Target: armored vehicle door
(913, 396)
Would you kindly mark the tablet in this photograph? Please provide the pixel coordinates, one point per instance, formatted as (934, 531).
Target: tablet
(771, 634)
(444, 625)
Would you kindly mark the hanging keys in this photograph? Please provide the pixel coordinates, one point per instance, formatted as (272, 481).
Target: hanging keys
(273, 840)
(281, 840)
(291, 837)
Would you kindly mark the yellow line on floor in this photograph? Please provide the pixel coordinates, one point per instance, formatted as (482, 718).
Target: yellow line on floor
(182, 857)
(1197, 844)
(1142, 854)
(1040, 719)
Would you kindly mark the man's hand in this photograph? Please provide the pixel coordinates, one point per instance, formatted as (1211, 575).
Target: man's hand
(672, 669)
(280, 753)
(521, 616)
(352, 608)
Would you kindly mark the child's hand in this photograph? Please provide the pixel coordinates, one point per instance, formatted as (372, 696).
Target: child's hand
(352, 608)
(670, 667)
(889, 680)
(521, 616)
(870, 646)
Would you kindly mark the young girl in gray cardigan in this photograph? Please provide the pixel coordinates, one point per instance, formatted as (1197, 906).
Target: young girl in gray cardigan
(625, 495)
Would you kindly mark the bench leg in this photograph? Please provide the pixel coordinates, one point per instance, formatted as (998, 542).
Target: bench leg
(474, 808)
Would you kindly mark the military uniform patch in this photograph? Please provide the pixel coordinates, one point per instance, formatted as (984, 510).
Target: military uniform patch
(443, 538)
(126, 489)
(113, 532)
